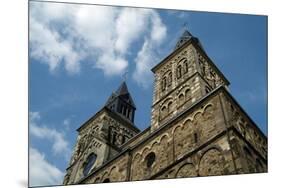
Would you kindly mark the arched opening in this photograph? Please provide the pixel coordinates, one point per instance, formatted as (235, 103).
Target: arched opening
(124, 111)
(150, 159)
(195, 137)
(181, 99)
(114, 137)
(179, 71)
(107, 180)
(170, 79)
(90, 161)
(187, 95)
(207, 89)
(163, 111)
(247, 151)
(211, 163)
(169, 107)
(186, 170)
(164, 84)
(185, 67)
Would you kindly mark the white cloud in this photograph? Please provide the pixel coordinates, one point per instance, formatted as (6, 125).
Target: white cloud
(111, 64)
(41, 172)
(147, 57)
(159, 30)
(65, 34)
(144, 62)
(130, 25)
(48, 45)
(60, 145)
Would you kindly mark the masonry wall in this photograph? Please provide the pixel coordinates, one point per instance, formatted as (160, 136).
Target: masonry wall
(102, 136)
(137, 139)
(176, 101)
(181, 87)
(248, 143)
(214, 159)
(189, 132)
(203, 141)
(244, 127)
(114, 171)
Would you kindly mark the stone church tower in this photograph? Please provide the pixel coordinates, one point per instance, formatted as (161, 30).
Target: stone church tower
(197, 128)
(100, 138)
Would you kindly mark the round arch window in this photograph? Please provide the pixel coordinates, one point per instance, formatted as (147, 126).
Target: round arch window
(91, 159)
(150, 159)
(107, 180)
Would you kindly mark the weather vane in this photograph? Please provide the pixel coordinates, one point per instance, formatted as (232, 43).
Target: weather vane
(124, 76)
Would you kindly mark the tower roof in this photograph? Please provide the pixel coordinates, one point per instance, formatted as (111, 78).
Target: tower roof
(186, 36)
(123, 93)
(122, 90)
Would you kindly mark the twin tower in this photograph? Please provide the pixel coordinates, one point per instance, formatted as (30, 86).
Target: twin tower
(197, 128)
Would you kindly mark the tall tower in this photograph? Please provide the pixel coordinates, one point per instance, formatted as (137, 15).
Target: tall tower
(100, 138)
(186, 75)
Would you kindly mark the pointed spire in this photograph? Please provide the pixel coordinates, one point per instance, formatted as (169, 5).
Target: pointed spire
(121, 102)
(121, 92)
(184, 38)
(123, 89)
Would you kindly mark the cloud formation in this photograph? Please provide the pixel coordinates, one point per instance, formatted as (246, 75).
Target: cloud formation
(41, 172)
(46, 43)
(63, 35)
(60, 145)
(147, 57)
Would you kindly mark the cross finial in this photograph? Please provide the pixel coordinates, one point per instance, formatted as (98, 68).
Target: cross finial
(124, 76)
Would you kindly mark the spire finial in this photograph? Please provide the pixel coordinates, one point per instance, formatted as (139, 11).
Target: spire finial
(124, 76)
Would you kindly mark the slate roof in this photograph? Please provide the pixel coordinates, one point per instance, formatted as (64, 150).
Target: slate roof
(123, 93)
(186, 36)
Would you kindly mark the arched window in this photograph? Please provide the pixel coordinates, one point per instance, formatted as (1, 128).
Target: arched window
(187, 95)
(195, 138)
(125, 111)
(181, 99)
(203, 67)
(107, 180)
(123, 139)
(185, 67)
(207, 89)
(179, 71)
(247, 152)
(163, 111)
(170, 79)
(120, 109)
(150, 159)
(128, 113)
(114, 137)
(170, 107)
(91, 159)
(164, 83)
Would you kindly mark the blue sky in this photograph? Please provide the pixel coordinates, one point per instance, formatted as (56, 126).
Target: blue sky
(78, 55)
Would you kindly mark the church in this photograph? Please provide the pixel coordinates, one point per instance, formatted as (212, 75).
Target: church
(197, 128)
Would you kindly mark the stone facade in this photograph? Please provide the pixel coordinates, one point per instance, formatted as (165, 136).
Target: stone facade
(197, 128)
